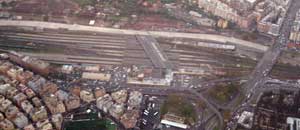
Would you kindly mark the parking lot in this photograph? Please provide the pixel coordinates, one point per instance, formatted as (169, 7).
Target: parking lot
(119, 77)
(187, 81)
(150, 114)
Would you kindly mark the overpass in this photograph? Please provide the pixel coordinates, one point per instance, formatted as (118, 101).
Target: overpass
(154, 52)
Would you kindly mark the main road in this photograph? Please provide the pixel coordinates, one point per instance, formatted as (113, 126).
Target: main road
(259, 75)
(266, 64)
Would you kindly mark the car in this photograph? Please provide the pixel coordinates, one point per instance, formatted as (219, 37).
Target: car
(149, 105)
(145, 113)
(249, 95)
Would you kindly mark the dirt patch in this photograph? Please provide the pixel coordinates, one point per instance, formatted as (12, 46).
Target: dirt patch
(150, 22)
(55, 7)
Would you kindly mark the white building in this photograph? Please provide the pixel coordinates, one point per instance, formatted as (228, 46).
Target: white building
(173, 120)
(293, 122)
(246, 119)
(174, 124)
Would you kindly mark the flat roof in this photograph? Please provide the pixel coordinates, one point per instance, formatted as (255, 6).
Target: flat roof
(96, 76)
(251, 1)
(175, 124)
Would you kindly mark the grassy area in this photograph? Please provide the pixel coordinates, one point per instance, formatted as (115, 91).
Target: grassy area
(224, 92)
(114, 18)
(180, 106)
(129, 7)
(168, 1)
(285, 71)
(85, 2)
(91, 125)
(94, 123)
(216, 128)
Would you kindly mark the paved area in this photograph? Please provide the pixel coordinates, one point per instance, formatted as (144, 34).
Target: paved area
(75, 27)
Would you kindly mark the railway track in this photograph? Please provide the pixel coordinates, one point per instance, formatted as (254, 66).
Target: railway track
(108, 49)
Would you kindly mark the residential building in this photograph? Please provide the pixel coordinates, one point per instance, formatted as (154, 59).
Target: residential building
(48, 88)
(135, 99)
(13, 72)
(75, 90)
(2, 98)
(36, 102)
(36, 65)
(55, 105)
(129, 119)
(27, 106)
(5, 67)
(57, 120)
(29, 127)
(62, 95)
(11, 112)
(87, 96)
(38, 114)
(119, 96)
(6, 125)
(44, 125)
(295, 31)
(267, 14)
(19, 98)
(36, 83)
(72, 102)
(4, 105)
(104, 103)
(29, 93)
(1, 117)
(20, 120)
(4, 88)
(99, 92)
(11, 92)
(116, 110)
(24, 77)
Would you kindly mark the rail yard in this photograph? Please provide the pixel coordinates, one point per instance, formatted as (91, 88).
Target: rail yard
(112, 49)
